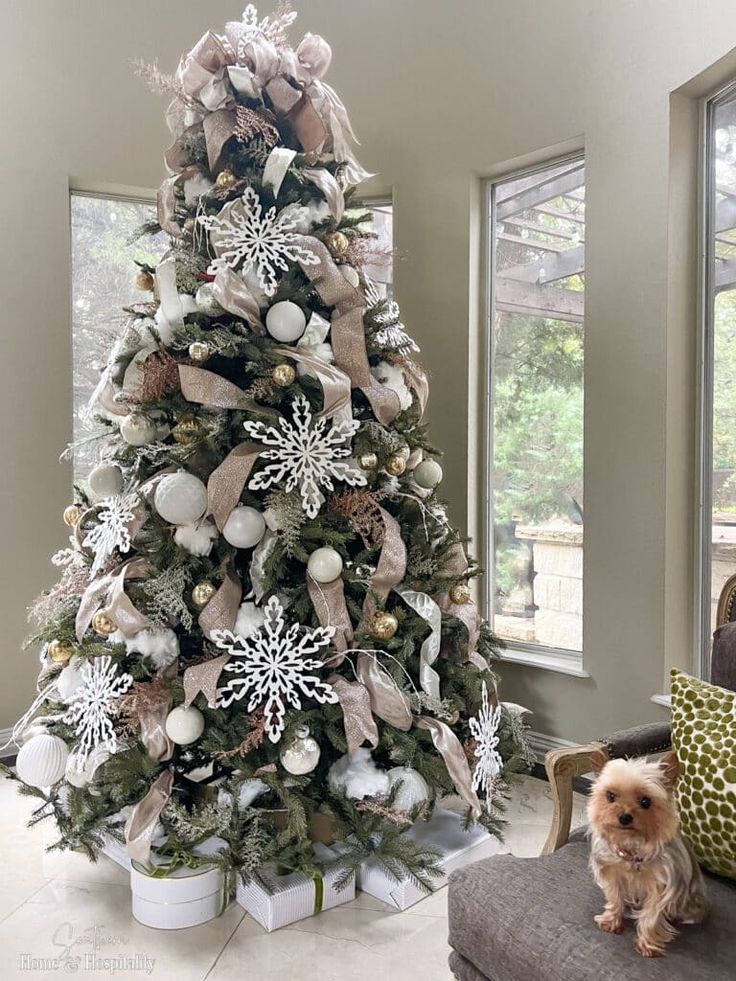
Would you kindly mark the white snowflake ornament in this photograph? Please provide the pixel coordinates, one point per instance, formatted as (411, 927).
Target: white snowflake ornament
(243, 237)
(93, 703)
(484, 729)
(306, 454)
(111, 532)
(273, 666)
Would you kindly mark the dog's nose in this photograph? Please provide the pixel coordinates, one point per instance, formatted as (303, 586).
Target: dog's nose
(625, 819)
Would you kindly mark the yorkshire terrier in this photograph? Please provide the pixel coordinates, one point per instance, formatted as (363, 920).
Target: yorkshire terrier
(638, 856)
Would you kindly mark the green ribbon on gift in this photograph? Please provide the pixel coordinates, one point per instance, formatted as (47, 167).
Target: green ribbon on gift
(319, 891)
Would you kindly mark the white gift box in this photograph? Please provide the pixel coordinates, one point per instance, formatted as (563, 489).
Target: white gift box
(293, 897)
(116, 852)
(183, 898)
(443, 833)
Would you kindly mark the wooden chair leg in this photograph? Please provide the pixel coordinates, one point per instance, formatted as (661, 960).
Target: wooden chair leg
(561, 766)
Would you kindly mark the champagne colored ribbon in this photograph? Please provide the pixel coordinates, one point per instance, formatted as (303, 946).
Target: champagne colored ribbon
(328, 600)
(326, 183)
(355, 702)
(335, 383)
(388, 702)
(121, 610)
(153, 729)
(203, 678)
(140, 825)
(455, 564)
(390, 570)
(425, 607)
(233, 295)
(299, 109)
(278, 162)
(218, 128)
(222, 610)
(418, 381)
(112, 585)
(209, 388)
(226, 482)
(450, 749)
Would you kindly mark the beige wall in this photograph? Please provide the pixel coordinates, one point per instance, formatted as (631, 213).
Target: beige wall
(441, 94)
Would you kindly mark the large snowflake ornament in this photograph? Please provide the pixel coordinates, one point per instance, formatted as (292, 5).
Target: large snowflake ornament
(94, 703)
(243, 237)
(306, 455)
(484, 729)
(111, 532)
(273, 666)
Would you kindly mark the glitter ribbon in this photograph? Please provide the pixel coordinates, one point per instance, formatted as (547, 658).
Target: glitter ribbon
(233, 295)
(222, 610)
(218, 127)
(300, 112)
(328, 600)
(226, 482)
(140, 825)
(425, 607)
(456, 564)
(390, 570)
(388, 702)
(203, 678)
(335, 383)
(355, 702)
(450, 749)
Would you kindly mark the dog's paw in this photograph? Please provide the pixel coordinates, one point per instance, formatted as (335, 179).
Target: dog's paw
(610, 923)
(647, 949)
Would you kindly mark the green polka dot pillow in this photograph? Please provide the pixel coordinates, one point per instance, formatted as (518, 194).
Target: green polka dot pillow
(704, 738)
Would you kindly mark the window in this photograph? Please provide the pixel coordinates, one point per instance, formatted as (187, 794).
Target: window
(379, 267)
(102, 284)
(718, 388)
(535, 425)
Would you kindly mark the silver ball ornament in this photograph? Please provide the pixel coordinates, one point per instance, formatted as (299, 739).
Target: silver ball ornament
(137, 429)
(207, 301)
(428, 474)
(184, 725)
(324, 564)
(245, 527)
(105, 480)
(302, 756)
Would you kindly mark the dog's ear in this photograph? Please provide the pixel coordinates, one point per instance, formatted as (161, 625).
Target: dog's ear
(598, 760)
(670, 767)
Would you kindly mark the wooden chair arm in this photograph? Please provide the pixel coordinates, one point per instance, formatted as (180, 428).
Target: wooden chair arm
(561, 766)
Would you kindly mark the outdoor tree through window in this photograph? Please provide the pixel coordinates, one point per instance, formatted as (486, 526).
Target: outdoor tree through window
(536, 406)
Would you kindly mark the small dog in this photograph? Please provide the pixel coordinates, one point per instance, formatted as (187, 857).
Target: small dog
(638, 856)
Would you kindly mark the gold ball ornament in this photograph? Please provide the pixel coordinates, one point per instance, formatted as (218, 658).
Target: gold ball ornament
(103, 624)
(284, 375)
(460, 593)
(367, 461)
(202, 594)
(188, 225)
(199, 351)
(72, 514)
(395, 465)
(338, 243)
(186, 431)
(226, 178)
(384, 626)
(143, 281)
(59, 652)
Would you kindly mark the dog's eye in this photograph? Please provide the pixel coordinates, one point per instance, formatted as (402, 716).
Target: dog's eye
(645, 803)
(610, 796)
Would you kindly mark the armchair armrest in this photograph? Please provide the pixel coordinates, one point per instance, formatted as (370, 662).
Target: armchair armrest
(564, 764)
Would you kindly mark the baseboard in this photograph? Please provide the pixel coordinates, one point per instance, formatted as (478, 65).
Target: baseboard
(542, 743)
(12, 749)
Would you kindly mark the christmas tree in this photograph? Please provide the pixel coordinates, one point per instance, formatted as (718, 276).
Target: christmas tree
(263, 633)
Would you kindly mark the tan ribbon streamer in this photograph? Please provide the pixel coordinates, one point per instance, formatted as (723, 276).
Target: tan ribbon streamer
(226, 482)
(425, 607)
(140, 825)
(450, 749)
(92, 597)
(418, 381)
(222, 610)
(234, 296)
(328, 600)
(301, 113)
(218, 128)
(388, 702)
(455, 564)
(335, 383)
(166, 206)
(203, 678)
(121, 610)
(390, 570)
(209, 388)
(355, 702)
(325, 182)
(347, 335)
(153, 729)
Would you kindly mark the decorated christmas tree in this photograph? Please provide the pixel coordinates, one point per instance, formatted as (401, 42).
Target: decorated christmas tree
(264, 633)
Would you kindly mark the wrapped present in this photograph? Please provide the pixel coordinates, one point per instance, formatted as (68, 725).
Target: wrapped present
(183, 897)
(443, 833)
(294, 896)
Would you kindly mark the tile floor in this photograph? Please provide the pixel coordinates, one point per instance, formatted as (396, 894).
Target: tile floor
(47, 901)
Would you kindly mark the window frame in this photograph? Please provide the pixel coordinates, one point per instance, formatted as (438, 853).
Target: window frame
(557, 659)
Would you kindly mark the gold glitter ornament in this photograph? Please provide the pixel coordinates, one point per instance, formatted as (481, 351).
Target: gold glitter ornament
(143, 281)
(186, 431)
(102, 624)
(460, 593)
(283, 375)
(226, 178)
(367, 461)
(188, 225)
(384, 626)
(199, 351)
(72, 514)
(202, 594)
(337, 242)
(59, 652)
(395, 465)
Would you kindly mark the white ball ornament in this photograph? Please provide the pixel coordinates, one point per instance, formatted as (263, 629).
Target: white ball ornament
(428, 474)
(70, 679)
(324, 564)
(245, 527)
(285, 321)
(351, 275)
(206, 300)
(137, 429)
(184, 725)
(41, 762)
(105, 480)
(180, 498)
(413, 788)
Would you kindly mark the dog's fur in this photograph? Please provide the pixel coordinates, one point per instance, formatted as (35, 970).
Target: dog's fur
(643, 865)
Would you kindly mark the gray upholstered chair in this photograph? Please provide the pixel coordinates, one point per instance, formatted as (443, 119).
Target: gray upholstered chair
(531, 919)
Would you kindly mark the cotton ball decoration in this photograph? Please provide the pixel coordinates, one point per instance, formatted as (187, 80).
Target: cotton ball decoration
(305, 218)
(195, 187)
(207, 301)
(180, 498)
(391, 376)
(246, 794)
(197, 538)
(428, 474)
(137, 429)
(245, 527)
(249, 620)
(350, 275)
(70, 679)
(184, 725)
(158, 645)
(324, 564)
(302, 755)
(413, 789)
(285, 321)
(41, 762)
(105, 480)
(358, 777)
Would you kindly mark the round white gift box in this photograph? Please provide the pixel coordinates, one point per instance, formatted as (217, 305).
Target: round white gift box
(184, 898)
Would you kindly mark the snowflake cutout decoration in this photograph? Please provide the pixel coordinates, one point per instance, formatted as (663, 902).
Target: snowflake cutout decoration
(111, 532)
(274, 27)
(306, 455)
(93, 704)
(273, 666)
(484, 729)
(242, 236)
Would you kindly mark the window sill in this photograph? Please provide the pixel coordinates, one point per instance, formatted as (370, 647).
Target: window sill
(547, 659)
(659, 699)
